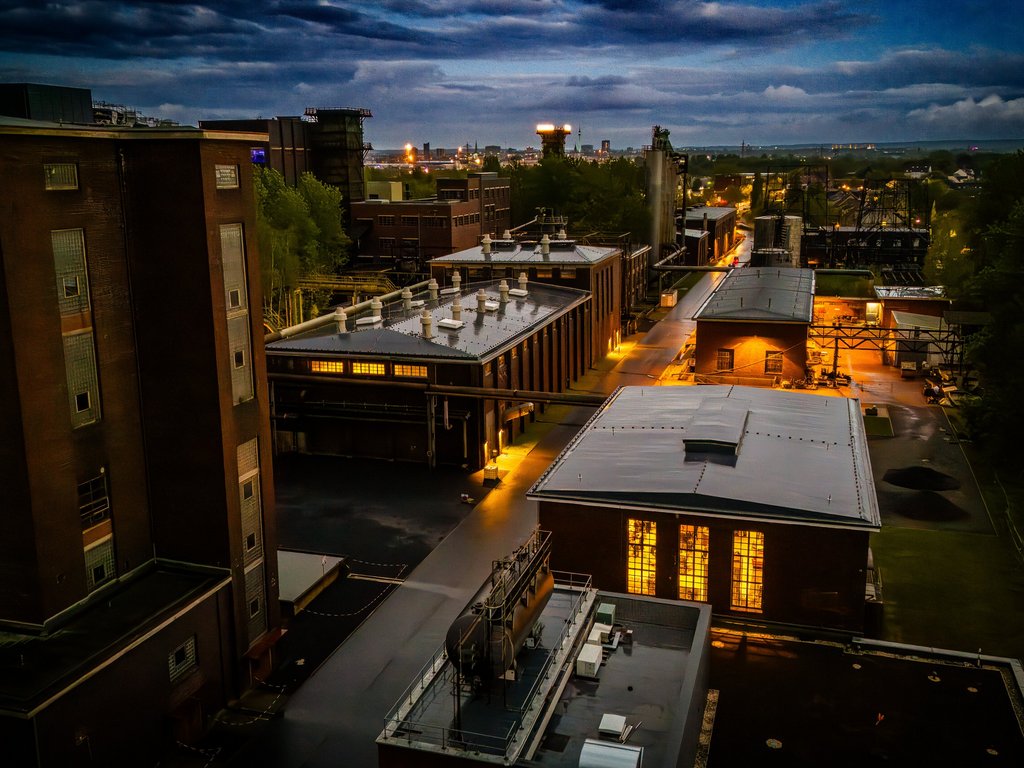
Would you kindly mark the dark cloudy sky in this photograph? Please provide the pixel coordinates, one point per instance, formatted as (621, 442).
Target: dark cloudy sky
(457, 71)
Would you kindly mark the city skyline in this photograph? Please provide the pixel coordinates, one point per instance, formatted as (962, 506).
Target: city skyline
(760, 72)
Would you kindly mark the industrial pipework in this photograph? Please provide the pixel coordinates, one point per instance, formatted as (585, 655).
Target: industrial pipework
(483, 642)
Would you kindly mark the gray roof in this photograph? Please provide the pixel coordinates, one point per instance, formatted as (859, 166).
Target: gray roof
(512, 252)
(910, 291)
(400, 332)
(780, 294)
(799, 457)
(712, 212)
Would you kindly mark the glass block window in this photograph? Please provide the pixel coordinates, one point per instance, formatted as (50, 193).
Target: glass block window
(772, 362)
(93, 501)
(99, 563)
(368, 369)
(83, 381)
(327, 366)
(747, 571)
(641, 540)
(693, 562)
(182, 659)
(411, 371)
(232, 262)
(241, 370)
(59, 176)
(255, 601)
(69, 265)
(249, 500)
(226, 176)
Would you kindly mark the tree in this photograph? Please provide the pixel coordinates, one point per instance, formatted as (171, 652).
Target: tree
(300, 235)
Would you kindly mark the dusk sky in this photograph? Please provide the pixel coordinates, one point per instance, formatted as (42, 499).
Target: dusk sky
(479, 71)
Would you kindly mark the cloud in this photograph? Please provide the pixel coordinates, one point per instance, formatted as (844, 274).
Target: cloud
(990, 117)
(784, 93)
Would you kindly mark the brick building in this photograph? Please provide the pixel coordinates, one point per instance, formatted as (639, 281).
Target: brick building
(753, 329)
(555, 261)
(137, 597)
(436, 376)
(759, 502)
(420, 230)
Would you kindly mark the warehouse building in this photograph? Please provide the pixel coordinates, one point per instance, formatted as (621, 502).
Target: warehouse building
(442, 376)
(759, 502)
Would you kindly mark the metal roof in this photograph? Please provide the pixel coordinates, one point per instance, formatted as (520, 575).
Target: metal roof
(713, 212)
(912, 320)
(797, 457)
(400, 331)
(910, 291)
(512, 252)
(780, 294)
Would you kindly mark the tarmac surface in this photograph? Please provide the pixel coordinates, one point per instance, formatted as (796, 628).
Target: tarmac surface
(405, 525)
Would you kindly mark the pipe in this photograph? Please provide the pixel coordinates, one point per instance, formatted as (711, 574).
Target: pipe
(479, 393)
(328, 317)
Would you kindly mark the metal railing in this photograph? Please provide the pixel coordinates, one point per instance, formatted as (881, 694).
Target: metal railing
(437, 676)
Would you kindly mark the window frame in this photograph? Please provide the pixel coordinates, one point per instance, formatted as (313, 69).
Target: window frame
(722, 354)
(641, 557)
(773, 359)
(746, 582)
(695, 551)
(50, 172)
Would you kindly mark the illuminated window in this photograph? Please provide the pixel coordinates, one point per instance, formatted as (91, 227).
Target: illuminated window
(58, 176)
(693, 562)
(641, 540)
(747, 570)
(327, 366)
(368, 369)
(723, 360)
(412, 371)
(772, 362)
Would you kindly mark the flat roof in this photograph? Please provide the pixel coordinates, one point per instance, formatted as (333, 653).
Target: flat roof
(39, 668)
(667, 449)
(400, 331)
(910, 320)
(512, 252)
(545, 715)
(712, 212)
(779, 294)
(14, 126)
(910, 291)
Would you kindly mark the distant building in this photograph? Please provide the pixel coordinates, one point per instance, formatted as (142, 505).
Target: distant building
(669, 492)
(753, 329)
(327, 142)
(419, 230)
(720, 222)
(137, 540)
(376, 387)
(552, 138)
(52, 103)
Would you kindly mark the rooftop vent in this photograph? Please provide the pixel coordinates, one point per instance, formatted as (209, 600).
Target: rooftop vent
(716, 428)
(369, 320)
(450, 324)
(485, 244)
